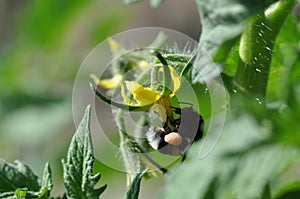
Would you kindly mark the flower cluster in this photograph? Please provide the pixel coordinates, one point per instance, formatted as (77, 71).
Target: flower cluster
(156, 96)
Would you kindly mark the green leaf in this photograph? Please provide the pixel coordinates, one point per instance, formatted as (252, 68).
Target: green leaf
(225, 49)
(222, 21)
(17, 176)
(289, 191)
(285, 57)
(133, 192)
(78, 168)
(256, 49)
(225, 20)
(24, 183)
(240, 165)
(228, 56)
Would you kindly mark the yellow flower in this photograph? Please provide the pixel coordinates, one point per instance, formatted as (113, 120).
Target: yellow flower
(147, 96)
(156, 97)
(142, 95)
(116, 80)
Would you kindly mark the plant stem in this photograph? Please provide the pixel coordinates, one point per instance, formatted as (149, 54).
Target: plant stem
(256, 49)
(135, 159)
(130, 158)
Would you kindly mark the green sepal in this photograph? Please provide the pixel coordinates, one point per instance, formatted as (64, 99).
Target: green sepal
(166, 74)
(188, 66)
(21, 193)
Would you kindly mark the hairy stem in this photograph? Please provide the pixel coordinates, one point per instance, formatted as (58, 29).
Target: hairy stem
(128, 151)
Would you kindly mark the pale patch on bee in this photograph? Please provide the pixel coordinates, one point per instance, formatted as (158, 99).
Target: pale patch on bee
(173, 138)
(188, 129)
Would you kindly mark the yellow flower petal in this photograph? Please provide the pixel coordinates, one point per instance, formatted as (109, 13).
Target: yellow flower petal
(125, 98)
(114, 45)
(160, 110)
(108, 83)
(165, 101)
(143, 95)
(176, 79)
(143, 65)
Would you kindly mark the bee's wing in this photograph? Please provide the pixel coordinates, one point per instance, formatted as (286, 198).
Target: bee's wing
(155, 137)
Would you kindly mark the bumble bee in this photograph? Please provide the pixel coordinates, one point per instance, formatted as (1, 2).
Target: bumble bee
(175, 141)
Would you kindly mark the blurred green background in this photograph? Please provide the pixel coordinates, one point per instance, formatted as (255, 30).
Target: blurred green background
(42, 44)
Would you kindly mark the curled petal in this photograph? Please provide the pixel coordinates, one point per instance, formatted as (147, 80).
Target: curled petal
(113, 82)
(142, 95)
(176, 79)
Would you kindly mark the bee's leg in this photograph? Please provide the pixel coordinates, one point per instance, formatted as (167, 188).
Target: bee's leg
(176, 110)
(183, 157)
(164, 170)
(177, 122)
(170, 126)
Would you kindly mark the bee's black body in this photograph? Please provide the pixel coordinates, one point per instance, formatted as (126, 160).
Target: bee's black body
(189, 125)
